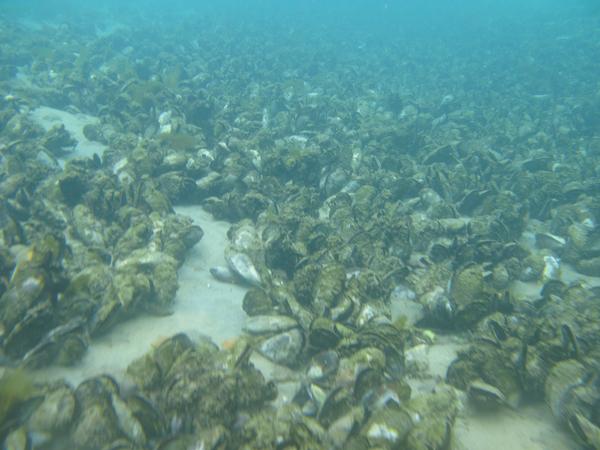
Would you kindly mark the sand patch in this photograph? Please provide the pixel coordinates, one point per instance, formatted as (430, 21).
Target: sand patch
(530, 427)
(48, 117)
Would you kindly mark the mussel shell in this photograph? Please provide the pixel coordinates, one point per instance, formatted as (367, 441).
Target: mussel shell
(569, 341)
(536, 163)
(147, 414)
(338, 402)
(305, 398)
(343, 309)
(283, 348)
(472, 200)
(16, 210)
(257, 302)
(495, 326)
(96, 387)
(19, 414)
(332, 182)
(127, 421)
(107, 315)
(485, 395)
(561, 383)
(572, 190)
(550, 241)
(366, 380)
(63, 345)
(242, 265)
(553, 287)
(514, 250)
(323, 334)
(341, 429)
(387, 427)
(18, 439)
(169, 350)
(223, 274)
(268, 324)
(439, 252)
(323, 366)
(29, 331)
(586, 431)
(119, 444)
(443, 154)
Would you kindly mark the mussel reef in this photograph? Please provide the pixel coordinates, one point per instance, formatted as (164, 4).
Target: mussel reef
(363, 217)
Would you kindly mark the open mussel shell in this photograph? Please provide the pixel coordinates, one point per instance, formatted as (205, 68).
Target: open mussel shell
(148, 415)
(63, 345)
(341, 429)
(569, 341)
(268, 324)
(554, 288)
(550, 241)
(323, 366)
(472, 200)
(484, 395)
(388, 427)
(18, 439)
(127, 422)
(494, 327)
(310, 398)
(343, 309)
(257, 302)
(367, 379)
(56, 412)
(16, 416)
(338, 402)
(585, 430)
(98, 386)
(170, 349)
(439, 251)
(388, 394)
(323, 334)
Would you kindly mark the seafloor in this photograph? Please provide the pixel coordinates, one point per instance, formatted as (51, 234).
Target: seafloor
(222, 233)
